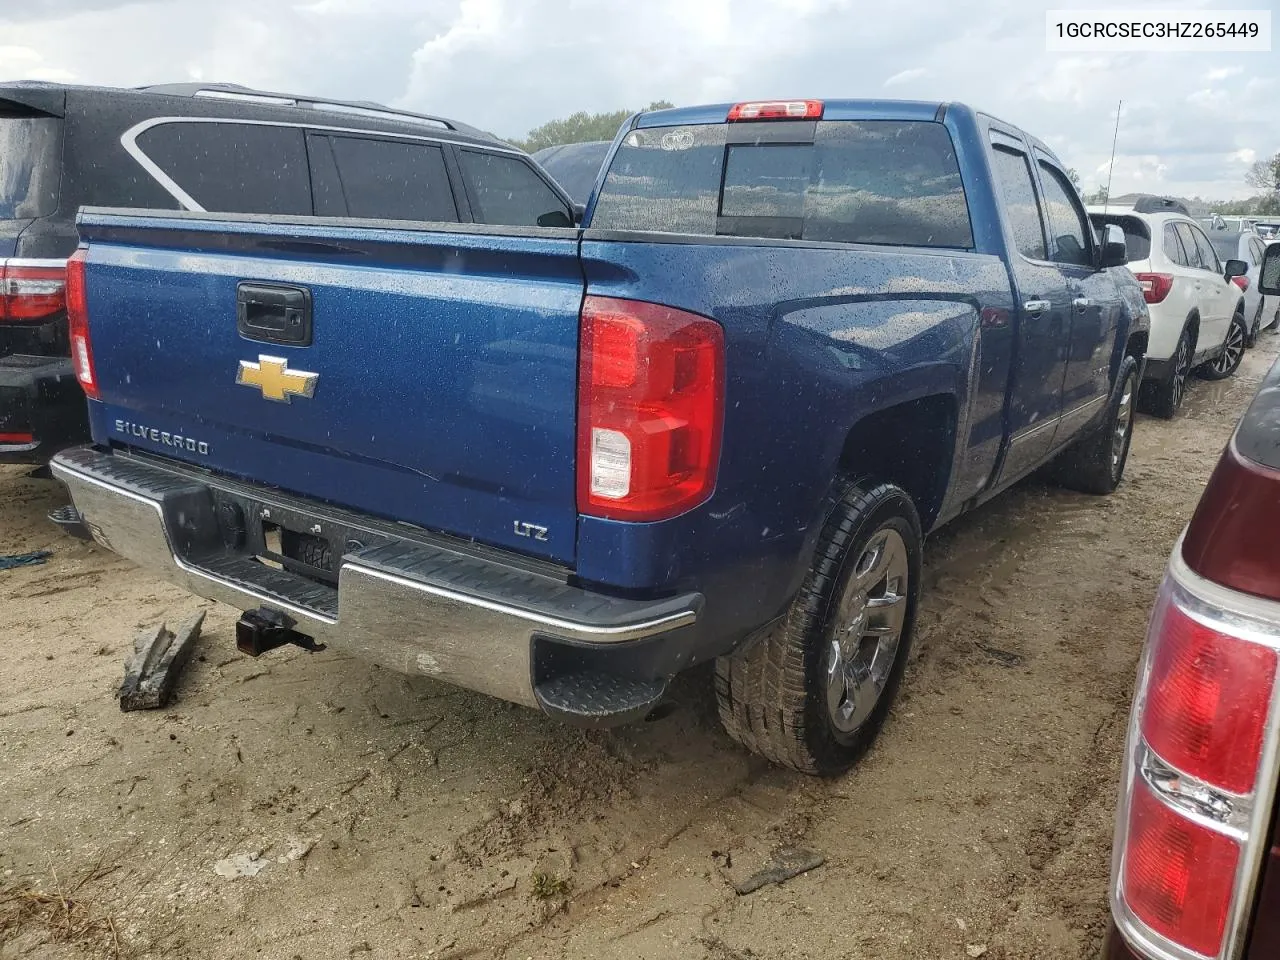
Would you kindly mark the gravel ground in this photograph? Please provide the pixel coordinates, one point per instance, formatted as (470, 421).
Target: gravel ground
(395, 817)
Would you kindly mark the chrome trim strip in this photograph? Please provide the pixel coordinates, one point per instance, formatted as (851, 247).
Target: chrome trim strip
(634, 631)
(40, 262)
(129, 140)
(19, 447)
(1028, 432)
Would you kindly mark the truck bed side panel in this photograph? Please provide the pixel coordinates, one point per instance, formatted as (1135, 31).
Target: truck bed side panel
(816, 338)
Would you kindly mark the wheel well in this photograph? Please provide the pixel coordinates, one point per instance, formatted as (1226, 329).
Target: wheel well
(910, 445)
(1193, 324)
(1137, 346)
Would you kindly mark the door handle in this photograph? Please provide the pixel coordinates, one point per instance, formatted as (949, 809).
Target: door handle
(1036, 306)
(1080, 303)
(274, 313)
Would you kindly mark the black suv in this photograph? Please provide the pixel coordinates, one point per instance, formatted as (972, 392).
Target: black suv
(215, 147)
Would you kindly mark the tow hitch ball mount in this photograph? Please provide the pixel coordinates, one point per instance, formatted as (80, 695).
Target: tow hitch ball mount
(258, 631)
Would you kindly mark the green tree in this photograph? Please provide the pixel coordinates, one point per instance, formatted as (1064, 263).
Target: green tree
(1099, 196)
(580, 127)
(1074, 177)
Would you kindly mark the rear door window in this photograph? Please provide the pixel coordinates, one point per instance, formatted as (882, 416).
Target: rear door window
(1208, 257)
(1173, 246)
(1189, 246)
(877, 181)
(30, 165)
(506, 190)
(1067, 219)
(1020, 206)
(233, 167)
(381, 179)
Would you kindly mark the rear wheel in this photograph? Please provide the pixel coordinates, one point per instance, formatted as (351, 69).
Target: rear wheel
(1228, 361)
(813, 693)
(1096, 463)
(1164, 398)
(1256, 327)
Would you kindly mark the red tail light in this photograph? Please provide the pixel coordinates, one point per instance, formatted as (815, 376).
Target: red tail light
(1195, 811)
(17, 437)
(1155, 286)
(776, 110)
(31, 290)
(650, 409)
(78, 326)
(1241, 282)
(1178, 875)
(1207, 696)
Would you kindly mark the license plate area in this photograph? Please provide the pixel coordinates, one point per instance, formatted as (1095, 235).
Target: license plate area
(286, 539)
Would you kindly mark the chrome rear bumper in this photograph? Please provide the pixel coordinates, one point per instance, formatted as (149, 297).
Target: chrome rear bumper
(408, 601)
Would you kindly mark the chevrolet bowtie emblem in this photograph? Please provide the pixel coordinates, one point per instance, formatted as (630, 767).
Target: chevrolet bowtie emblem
(273, 377)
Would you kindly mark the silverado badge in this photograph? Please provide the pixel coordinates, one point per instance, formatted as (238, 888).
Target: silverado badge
(273, 377)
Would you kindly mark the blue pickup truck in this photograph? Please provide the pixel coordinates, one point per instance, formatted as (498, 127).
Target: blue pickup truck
(561, 465)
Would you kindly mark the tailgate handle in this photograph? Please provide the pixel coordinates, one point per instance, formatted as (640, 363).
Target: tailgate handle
(274, 313)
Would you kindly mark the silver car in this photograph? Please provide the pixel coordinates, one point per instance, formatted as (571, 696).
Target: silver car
(1260, 311)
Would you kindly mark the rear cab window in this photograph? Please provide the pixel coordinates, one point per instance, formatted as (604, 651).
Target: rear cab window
(875, 181)
(30, 163)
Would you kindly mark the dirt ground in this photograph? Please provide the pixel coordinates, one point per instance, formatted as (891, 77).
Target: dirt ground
(394, 817)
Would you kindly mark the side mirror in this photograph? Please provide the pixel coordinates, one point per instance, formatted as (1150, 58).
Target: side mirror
(1115, 253)
(1270, 278)
(1235, 268)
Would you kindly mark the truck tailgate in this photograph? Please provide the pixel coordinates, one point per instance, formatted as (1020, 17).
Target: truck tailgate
(438, 386)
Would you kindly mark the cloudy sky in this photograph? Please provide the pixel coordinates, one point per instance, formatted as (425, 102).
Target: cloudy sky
(1191, 123)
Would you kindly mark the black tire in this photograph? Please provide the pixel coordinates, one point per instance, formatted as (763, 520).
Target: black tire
(1255, 328)
(1164, 398)
(1095, 464)
(773, 694)
(1275, 321)
(1228, 361)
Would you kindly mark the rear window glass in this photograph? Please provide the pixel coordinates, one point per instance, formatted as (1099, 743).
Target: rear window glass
(877, 181)
(1226, 247)
(234, 167)
(1137, 238)
(30, 166)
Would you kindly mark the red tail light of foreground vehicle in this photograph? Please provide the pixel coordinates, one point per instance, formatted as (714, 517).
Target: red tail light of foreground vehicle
(1155, 286)
(1241, 282)
(78, 326)
(1195, 811)
(650, 409)
(31, 290)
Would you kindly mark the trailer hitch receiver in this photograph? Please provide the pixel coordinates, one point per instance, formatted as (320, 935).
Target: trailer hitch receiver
(258, 631)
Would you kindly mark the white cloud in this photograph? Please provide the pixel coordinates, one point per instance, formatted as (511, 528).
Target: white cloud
(1221, 73)
(509, 65)
(906, 76)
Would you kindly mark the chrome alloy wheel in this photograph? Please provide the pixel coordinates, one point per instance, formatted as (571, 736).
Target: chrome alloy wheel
(1232, 350)
(1124, 423)
(866, 630)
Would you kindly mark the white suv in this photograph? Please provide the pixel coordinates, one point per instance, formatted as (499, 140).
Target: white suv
(1197, 313)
